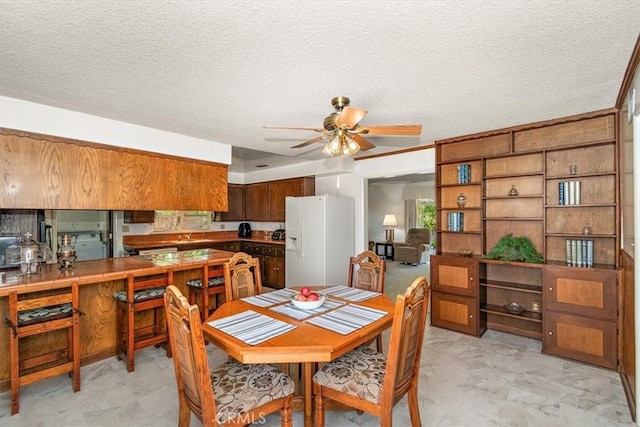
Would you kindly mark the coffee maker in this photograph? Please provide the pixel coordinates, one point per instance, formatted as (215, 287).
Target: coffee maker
(244, 230)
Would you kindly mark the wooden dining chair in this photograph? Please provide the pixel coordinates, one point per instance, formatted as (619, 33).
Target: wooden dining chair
(242, 277)
(366, 271)
(369, 381)
(230, 394)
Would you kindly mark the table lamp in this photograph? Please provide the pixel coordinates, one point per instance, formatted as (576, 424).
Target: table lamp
(389, 222)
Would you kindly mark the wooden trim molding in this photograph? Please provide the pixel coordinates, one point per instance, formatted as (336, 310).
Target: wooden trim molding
(628, 75)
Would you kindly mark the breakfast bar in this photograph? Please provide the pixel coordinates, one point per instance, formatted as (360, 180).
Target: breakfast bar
(97, 281)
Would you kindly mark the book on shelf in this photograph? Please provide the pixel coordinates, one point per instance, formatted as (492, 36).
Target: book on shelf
(579, 253)
(569, 193)
(455, 221)
(464, 174)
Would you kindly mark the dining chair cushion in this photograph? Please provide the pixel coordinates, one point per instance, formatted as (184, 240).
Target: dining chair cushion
(239, 387)
(213, 281)
(360, 373)
(38, 315)
(143, 295)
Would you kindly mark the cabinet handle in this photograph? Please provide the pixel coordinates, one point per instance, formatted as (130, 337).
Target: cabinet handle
(551, 289)
(471, 316)
(550, 332)
(471, 279)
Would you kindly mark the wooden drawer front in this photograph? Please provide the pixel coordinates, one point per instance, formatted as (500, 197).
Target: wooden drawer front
(579, 338)
(274, 251)
(455, 279)
(584, 292)
(455, 312)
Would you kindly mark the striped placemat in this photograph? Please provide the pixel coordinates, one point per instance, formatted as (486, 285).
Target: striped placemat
(347, 319)
(251, 327)
(349, 293)
(300, 314)
(270, 298)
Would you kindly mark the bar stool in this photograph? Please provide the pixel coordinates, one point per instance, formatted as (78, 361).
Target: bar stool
(140, 319)
(46, 313)
(215, 287)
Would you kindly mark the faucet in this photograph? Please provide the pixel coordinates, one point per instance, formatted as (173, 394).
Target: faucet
(187, 236)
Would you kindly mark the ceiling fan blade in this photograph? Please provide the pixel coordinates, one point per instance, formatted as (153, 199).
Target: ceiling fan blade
(391, 130)
(363, 143)
(309, 142)
(349, 117)
(289, 128)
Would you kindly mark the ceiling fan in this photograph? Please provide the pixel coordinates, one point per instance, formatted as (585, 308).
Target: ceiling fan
(344, 133)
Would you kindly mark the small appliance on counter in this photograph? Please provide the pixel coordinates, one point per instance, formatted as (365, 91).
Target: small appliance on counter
(9, 252)
(67, 251)
(244, 230)
(278, 234)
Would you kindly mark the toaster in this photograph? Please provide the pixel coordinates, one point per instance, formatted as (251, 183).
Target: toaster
(278, 234)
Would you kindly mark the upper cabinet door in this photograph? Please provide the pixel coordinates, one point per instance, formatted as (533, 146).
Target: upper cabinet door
(256, 199)
(236, 204)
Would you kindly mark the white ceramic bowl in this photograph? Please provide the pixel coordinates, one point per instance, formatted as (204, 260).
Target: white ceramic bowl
(308, 305)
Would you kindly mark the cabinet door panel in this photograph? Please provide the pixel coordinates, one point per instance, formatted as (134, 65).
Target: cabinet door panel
(455, 312)
(454, 275)
(580, 338)
(274, 272)
(585, 292)
(256, 199)
(236, 204)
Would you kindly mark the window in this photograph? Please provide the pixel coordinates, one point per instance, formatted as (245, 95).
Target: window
(182, 220)
(426, 214)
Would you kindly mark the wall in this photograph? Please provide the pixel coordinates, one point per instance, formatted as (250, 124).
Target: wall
(356, 184)
(38, 118)
(385, 198)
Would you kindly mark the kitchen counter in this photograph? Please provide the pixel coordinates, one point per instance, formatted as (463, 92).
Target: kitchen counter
(103, 270)
(168, 241)
(98, 280)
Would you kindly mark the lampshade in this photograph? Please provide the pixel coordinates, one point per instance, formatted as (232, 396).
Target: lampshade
(341, 145)
(389, 220)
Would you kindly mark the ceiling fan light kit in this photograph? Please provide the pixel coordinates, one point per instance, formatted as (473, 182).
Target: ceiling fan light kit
(345, 135)
(341, 145)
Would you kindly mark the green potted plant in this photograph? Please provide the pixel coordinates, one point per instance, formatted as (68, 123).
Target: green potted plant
(511, 248)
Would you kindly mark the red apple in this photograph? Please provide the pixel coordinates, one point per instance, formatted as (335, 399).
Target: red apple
(305, 291)
(313, 297)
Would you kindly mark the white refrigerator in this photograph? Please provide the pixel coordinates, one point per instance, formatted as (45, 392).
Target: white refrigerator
(319, 240)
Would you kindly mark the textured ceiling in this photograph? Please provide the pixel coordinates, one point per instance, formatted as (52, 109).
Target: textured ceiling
(222, 70)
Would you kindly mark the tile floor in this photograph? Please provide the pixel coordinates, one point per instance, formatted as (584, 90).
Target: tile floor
(498, 380)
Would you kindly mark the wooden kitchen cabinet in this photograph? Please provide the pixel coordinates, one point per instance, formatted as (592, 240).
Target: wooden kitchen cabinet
(455, 292)
(279, 190)
(139, 217)
(265, 201)
(580, 314)
(272, 262)
(235, 193)
(256, 202)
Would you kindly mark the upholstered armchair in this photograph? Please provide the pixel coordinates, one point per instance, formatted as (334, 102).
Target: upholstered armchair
(414, 248)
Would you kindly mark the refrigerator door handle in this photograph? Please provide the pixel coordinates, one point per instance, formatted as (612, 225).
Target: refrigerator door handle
(299, 242)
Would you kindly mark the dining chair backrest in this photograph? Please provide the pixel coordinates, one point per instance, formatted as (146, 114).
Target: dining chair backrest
(366, 271)
(405, 342)
(242, 277)
(189, 356)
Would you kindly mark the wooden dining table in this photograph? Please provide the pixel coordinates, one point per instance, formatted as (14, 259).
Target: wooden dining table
(306, 344)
